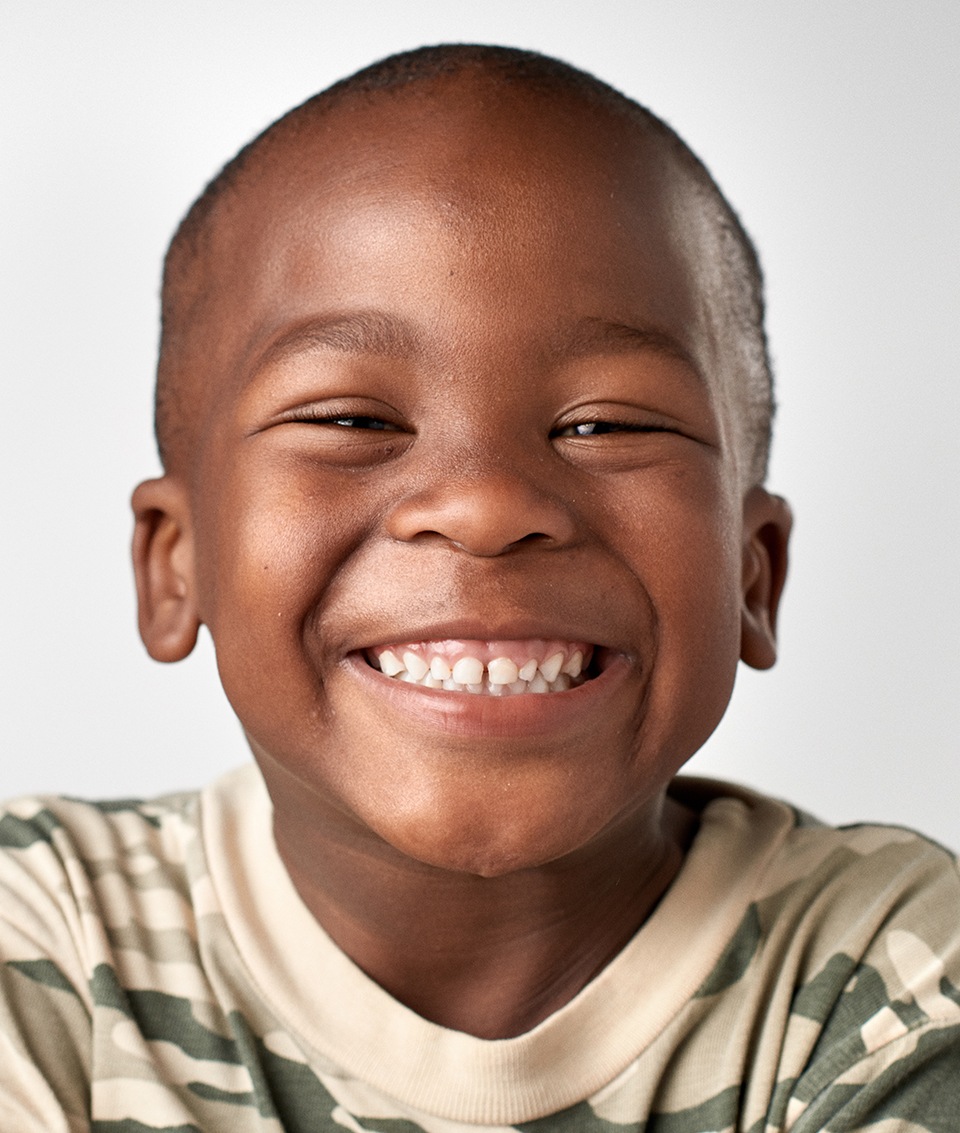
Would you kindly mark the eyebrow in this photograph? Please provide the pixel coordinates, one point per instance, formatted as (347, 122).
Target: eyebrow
(360, 332)
(601, 336)
(376, 332)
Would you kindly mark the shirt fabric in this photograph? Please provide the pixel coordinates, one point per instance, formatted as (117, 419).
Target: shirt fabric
(158, 971)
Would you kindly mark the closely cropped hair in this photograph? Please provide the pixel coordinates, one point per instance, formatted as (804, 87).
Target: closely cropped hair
(741, 289)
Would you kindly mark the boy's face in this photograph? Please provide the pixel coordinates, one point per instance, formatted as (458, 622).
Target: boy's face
(467, 385)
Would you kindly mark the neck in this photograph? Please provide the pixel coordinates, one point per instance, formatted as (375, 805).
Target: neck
(492, 957)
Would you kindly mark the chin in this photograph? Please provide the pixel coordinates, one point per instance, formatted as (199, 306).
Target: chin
(490, 836)
(487, 859)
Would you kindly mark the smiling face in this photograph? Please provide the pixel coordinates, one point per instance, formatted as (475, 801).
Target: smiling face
(470, 403)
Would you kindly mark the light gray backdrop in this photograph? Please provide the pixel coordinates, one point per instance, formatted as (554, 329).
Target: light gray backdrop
(833, 126)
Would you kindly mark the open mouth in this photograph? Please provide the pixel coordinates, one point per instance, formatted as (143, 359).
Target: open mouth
(488, 668)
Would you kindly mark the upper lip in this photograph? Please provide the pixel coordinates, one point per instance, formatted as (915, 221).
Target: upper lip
(471, 629)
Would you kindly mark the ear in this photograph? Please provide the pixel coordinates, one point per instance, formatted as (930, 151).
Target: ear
(767, 521)
(163, 564)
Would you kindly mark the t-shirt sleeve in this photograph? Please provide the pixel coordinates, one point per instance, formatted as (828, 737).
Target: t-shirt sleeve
(911, 1085)
(45, 1008)
(888, 1058)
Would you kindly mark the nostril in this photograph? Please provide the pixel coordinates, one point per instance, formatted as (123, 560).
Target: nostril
(475, 548)
(484, 513)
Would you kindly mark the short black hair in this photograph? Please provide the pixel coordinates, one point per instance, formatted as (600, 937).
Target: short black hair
(742, 278)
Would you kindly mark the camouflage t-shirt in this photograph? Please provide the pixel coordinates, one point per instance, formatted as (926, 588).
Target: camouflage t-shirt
(159, 972)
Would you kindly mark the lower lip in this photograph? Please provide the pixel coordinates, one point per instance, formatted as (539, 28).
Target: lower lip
(476, 714)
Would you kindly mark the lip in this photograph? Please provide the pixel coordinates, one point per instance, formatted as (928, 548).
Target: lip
(468, 714)
(516, 629)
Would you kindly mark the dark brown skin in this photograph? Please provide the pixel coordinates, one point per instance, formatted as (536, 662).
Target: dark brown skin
(481, 275)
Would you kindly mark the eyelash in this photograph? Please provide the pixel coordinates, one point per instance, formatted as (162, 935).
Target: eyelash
(345, 421)
(601, 428)
(594, 428)
(354, 422)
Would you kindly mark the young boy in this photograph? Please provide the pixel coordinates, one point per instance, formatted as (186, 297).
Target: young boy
(463, 403)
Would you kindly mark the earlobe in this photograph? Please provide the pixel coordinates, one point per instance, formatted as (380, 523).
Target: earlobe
(163, 565)
(767, 521)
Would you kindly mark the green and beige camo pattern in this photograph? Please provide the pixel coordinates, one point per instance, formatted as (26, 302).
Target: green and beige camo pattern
(159, 973)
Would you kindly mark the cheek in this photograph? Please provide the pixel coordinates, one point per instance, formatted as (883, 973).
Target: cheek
(683, 546)
(270, 551)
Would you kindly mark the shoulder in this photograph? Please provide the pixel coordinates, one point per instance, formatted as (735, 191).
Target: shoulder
(866, 893)
(68, 868)
(847, 879)
(53, 843)
(80, 883)
(845, 969)
(879, 1003)
(59, 821)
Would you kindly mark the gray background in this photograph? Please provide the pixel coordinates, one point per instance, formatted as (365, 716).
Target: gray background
(834, 129)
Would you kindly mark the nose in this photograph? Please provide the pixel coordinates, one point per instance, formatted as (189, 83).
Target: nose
(484, 512)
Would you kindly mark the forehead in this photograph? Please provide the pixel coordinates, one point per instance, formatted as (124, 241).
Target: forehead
(462, 209)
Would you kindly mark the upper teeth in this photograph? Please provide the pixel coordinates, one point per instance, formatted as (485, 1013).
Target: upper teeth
(498, 677)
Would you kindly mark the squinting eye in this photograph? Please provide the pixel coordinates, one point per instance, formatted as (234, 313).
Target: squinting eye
(594, 428)
(361, 423)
